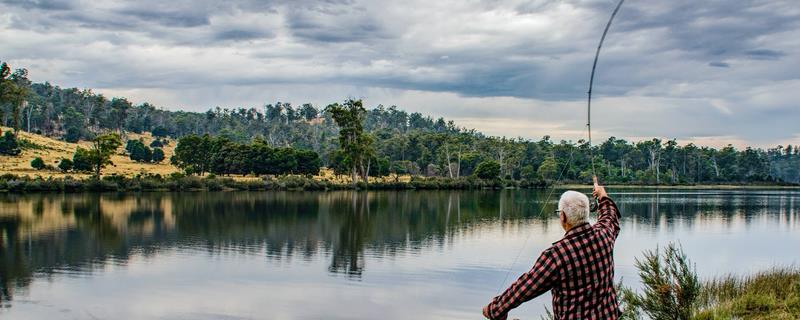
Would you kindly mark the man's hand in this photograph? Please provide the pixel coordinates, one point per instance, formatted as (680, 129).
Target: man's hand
(599, 191)
(486, 312)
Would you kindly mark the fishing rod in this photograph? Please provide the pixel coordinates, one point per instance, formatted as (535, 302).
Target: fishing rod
(589, 99)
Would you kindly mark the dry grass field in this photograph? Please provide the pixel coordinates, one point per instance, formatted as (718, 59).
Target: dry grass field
(52, 151)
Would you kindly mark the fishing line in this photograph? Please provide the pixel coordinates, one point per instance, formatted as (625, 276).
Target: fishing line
(541, 211)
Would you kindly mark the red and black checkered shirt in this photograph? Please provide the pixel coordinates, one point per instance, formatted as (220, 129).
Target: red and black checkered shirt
(579, 269)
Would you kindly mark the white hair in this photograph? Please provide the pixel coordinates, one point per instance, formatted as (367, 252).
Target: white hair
(575, 206)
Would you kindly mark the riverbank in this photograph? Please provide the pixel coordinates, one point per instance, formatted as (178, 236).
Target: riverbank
(769, 294)
(772, 294)
(178, 182)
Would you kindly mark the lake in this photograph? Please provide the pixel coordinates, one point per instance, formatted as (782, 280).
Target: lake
(343, 255)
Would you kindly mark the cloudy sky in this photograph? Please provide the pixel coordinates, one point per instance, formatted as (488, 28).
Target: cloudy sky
(712, 71)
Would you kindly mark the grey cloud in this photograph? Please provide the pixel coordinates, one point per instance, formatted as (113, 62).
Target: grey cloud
(239, 35)
(168, 18)
(40, 4)
(764, 54)
(681, 49)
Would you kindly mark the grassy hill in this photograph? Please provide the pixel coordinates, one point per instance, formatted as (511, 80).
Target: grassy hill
(52, 151)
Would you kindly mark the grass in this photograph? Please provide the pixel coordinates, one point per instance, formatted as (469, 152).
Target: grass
(53, 150)
(771, 294)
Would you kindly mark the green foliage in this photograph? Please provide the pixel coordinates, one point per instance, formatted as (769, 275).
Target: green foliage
(354, 140)
(354, 143)
(139, 152)
(158, 155)
(671, 286)
(222, 156)
(37, 163)
(73, 135)
(9, 145)
(65, 165)
(14, 89)
(98, 156)
(489, 169)
(548, 170)
(82, 160)
(192, 154)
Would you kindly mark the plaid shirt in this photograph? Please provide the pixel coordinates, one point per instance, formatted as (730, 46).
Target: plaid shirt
(579, 269)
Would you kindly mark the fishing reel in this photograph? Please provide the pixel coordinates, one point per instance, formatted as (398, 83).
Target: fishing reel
(593, 206)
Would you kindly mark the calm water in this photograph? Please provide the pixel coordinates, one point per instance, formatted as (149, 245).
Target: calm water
(341, 255)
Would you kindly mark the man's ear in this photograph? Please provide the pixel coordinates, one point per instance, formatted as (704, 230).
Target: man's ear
(562, 217)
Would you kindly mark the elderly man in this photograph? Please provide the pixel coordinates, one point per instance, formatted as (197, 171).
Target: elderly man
(579, 269)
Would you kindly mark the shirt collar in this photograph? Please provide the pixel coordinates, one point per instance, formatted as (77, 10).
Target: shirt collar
(576, 230)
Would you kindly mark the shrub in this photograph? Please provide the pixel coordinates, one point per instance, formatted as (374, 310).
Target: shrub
(73, 135)
(37, 163)
(82, 160)
(671, 286)
(9, 145)
(65, 165)
(158, 155)
(489, 169)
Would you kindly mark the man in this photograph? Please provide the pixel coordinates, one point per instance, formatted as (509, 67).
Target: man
(579, 269)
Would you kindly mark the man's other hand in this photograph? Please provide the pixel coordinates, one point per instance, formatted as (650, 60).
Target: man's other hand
(486, 312)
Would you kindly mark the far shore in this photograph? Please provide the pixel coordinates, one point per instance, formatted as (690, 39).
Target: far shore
(693, 187)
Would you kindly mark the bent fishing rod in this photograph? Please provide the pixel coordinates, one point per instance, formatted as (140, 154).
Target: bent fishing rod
(589, 93)
(589, 130)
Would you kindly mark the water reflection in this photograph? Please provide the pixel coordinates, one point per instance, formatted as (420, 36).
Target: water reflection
(49, 236)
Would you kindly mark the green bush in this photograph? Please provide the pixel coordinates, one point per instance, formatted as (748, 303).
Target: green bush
(671, 286)
(488, 169)
(65, 165)
(37, 163)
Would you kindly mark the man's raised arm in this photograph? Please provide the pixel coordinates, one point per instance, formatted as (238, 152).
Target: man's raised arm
(607, 213)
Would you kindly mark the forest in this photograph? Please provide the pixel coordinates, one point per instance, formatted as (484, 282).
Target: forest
(390, 140)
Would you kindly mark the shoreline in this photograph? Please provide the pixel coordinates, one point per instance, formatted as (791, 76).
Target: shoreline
(11, 184)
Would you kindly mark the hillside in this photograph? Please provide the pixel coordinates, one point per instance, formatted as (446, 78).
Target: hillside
(52, 151)
(401, 142)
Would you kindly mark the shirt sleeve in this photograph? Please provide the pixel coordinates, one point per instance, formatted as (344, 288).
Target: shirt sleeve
(608, 216)
(531, 284)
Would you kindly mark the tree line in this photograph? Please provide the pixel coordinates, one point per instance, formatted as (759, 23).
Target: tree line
(219, 155)
(383, 140)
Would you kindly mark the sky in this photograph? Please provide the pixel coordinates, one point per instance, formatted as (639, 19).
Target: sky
(710, 72)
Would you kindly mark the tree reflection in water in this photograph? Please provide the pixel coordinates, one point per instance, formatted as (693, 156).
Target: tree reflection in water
(45, 234)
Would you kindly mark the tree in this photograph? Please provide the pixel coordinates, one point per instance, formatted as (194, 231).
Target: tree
(193, 154)
(309, 112)
(65, 165)
(99, 156)
(158, 155)
(73, 135)
(9, 145)
(37, 163)
(307, 162)
(13, 90)
(488, 169)
(548, 169)
(356, 145)
(138, 151)
(82, 160)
